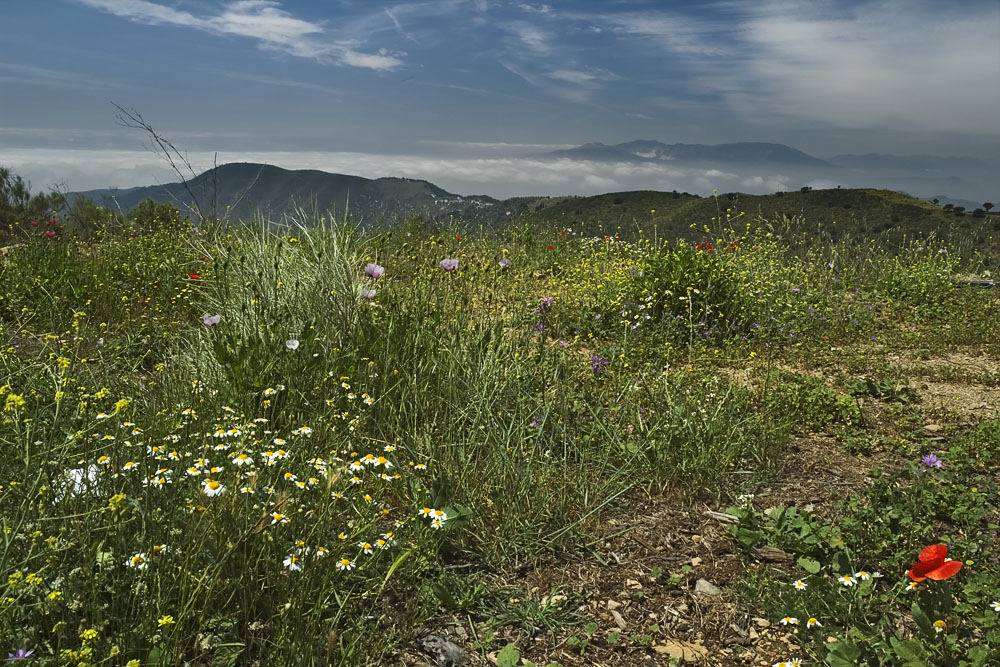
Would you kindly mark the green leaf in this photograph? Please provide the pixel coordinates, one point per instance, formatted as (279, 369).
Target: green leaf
(925, 624)
(442, 594)
(809, 565)
(841, 563)
(910, 651)
(842, 654)
(508, 656)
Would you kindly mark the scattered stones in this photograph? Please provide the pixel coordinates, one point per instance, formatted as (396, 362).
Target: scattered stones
(706, 588)
(683, 651)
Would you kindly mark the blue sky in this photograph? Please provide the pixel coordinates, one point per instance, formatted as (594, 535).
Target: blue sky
(464, 92)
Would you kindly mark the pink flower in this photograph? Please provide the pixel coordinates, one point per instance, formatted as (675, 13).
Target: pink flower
(449, 264)
(50, 233)
(373, 270)
(367, 293)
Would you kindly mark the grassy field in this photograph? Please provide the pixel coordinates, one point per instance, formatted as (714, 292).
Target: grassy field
(297, 444)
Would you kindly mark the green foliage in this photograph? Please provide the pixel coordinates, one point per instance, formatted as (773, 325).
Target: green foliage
(806, 403)
(19, 208)
(500, 399)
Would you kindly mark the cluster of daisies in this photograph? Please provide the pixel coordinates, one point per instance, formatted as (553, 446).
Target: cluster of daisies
(237, 454)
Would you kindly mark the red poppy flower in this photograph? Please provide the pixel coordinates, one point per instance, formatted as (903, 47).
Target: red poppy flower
(50, 234)
(459, 236)
(552, 247)
(932, 564)
(194, 276)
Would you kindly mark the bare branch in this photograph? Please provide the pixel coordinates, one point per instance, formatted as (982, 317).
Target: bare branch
(131, 118)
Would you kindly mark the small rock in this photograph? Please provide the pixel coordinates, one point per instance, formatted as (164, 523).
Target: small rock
(706, 588)
(619, 619)
(774, 555)
(762, 622)
(696, 561)
(633, 584)
(933, 428)
(614, 604)
(445, 652)
(680, 650)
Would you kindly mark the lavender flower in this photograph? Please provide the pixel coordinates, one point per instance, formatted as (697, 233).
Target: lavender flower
(449, 264)
(374, 271)
(210, 320)
(20, 654)
(504, 263)
(931, 460)
(597, 362)
(367, 293)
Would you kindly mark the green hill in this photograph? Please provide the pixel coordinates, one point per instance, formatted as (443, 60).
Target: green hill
(840, 213)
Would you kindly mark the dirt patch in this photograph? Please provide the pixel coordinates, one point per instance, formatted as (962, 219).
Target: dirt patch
(662, 579)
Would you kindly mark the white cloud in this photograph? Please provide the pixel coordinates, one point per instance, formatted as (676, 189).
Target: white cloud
(901, 65)
(906, 65)
(262, 20)
(530, 36)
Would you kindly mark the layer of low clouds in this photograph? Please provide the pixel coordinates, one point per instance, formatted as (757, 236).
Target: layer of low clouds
(500, 177)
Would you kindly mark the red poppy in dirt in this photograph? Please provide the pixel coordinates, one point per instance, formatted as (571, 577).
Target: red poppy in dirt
(552, 247)
(194, 276)
(933, 564)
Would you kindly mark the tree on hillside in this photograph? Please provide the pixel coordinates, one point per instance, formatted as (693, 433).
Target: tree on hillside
(151, 215)
(18, 207)
(948, 207)
(959, 210)
(85, 216)
(988, 205)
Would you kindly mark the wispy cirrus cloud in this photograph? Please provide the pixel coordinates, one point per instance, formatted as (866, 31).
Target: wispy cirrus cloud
(264, 21)
(43, 76)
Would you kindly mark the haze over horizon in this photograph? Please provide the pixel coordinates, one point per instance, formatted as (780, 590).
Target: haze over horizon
(466, 93)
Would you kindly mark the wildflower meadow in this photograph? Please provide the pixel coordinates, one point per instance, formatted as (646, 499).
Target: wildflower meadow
(301, 442)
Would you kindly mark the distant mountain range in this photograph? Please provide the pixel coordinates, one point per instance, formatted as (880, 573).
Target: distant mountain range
(241, 190)
(923, 176)
(238, 191)
(728, 154)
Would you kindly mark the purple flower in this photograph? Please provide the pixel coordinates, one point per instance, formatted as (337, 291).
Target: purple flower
(597, 362)
(210, 320)
(373, 270)
(535, 422)
(931, 460)
(504, 263)
(20, 654)
(367, 293)
(449, 264)
(547, 301)
(539, 328)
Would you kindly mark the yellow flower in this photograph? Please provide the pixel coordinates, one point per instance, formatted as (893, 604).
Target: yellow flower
(166, 619)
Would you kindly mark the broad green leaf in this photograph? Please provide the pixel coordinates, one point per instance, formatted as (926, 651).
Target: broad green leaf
(809, 565)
